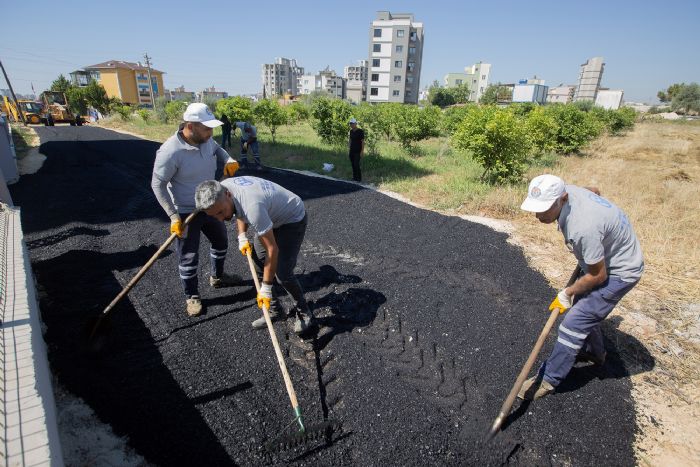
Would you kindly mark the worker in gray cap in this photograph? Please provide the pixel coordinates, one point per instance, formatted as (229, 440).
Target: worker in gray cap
(603, 241)
(183, 161)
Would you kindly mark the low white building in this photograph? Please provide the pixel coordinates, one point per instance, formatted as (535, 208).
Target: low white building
(610, 99)
(530, 90)
(561, 94)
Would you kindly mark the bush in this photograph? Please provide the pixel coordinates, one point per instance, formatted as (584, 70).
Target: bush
(412, 124)
(575, 127)
(159, 111)
(124, 111)
(330, 120)
(271, 114)
(237, 109)
(453, 116)
(369, 118)
(542, 131)
(144, 114)
(497, 140)
(298, 112)
(615, 121)
(174, 110)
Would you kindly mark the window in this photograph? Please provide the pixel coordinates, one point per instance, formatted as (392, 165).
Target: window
(483, 76)
(409, 79)
(398, 63)
(399, 33)
(411, 51)
(395, 93)
(408, 93)
(375, 76)
(377, 47)
(397, 78)
(414, 36)
(458, 82)
(399, 48)
(373, 91)
(377, 33)
(411, 65)
(376, 62)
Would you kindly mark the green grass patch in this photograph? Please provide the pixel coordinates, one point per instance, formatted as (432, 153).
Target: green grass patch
(24, 139)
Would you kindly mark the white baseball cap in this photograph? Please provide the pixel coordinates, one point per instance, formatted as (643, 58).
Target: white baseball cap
(544, 190)
(199, 112)
(352, 120)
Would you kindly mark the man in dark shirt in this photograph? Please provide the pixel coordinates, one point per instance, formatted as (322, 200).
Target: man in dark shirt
(357, 149)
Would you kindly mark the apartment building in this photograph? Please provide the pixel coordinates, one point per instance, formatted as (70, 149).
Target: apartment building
(211, 95)
(180, 94)
(356, 82)
(281, 77)
(589, 79)
(124, 80)
(475, 76)
(325, 80)
(561, 94)
(395, 57)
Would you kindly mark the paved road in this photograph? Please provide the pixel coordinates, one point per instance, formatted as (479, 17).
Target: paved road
(426, 321)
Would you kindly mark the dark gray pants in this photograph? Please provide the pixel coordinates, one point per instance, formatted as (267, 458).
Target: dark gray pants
(188, 250)
(289, 238)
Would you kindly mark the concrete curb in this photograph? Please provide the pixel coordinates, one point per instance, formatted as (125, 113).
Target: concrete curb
(28, 427)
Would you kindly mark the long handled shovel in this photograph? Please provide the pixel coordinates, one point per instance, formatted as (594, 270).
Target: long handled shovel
(508, 403)
(305, 434)
(105, 313)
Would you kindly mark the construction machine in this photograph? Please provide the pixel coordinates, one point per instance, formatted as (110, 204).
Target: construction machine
(32, 110)
(56, 109)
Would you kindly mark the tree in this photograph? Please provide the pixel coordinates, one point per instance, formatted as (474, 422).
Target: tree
(271, 114)
(237, 109)
(667, 96)
(496, 93)
(412, 124)
(687, 98)
(298, 112)
(174, 111)
(460, 93)
(497, 140)
(61, 84)
(330, 120)
(575, 128)
(442, 97)
(96, 96)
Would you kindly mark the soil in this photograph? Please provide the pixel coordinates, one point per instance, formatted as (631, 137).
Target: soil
(425, 321)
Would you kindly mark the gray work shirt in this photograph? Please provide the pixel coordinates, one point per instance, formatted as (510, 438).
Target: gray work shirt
(244, 134)
(179, 168)
(263, 204)
(595, 229)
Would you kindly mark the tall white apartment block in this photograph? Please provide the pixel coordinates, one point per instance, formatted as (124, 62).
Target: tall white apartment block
(356, 82)
(281, 77)
(589, 79)
(395, 57)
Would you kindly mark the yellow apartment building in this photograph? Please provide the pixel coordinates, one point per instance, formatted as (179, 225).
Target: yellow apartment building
(125, 80)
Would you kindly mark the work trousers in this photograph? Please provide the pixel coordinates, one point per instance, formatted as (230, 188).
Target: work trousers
(355, 162)
(580, 328)
(289, 238)
(225, 136)
(188, 250)
(252, 147)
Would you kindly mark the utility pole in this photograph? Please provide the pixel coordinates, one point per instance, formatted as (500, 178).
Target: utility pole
(150, 80)
(19, 109)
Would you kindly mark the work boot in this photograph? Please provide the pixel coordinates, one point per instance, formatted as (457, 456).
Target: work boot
(226, 280)
(275, 315)
(259, 167)
(535, 388)
(588, 357)
(194, 306)
(303, 322)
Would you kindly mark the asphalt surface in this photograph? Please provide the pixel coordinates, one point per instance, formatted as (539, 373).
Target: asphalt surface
(425, 319)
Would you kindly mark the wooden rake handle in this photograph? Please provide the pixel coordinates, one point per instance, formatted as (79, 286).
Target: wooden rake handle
(275, 343)
(508, 403)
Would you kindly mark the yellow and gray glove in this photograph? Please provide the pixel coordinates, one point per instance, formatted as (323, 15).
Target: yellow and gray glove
(562, 301)
(176, 226)
(244, 244)
(231, 167)
(265, 295)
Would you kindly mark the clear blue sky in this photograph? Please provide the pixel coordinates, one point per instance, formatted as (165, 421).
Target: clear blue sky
(647, 45)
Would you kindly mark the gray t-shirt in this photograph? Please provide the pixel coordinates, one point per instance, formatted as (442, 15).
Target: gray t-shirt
(244, 134)
(179, 168)
(595, 229)
(262, 204)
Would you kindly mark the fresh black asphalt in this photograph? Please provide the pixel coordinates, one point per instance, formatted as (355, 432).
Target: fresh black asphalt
(425, 320)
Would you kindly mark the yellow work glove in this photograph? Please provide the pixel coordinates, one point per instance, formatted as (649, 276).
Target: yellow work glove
(561, 301)
(176, 226)
(231, 167)
(244, 244)
(265, 295)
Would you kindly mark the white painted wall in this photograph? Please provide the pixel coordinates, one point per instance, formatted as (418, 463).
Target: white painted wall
(610, 99)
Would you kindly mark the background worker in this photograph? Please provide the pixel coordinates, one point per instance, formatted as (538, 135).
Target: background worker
(356, 143)
(182, 162)
(225, 131)
(249, 142)
(603, 241)
(278, 219)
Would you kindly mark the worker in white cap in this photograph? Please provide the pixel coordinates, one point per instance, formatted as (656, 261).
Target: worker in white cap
(603, 241)
(183, 161)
